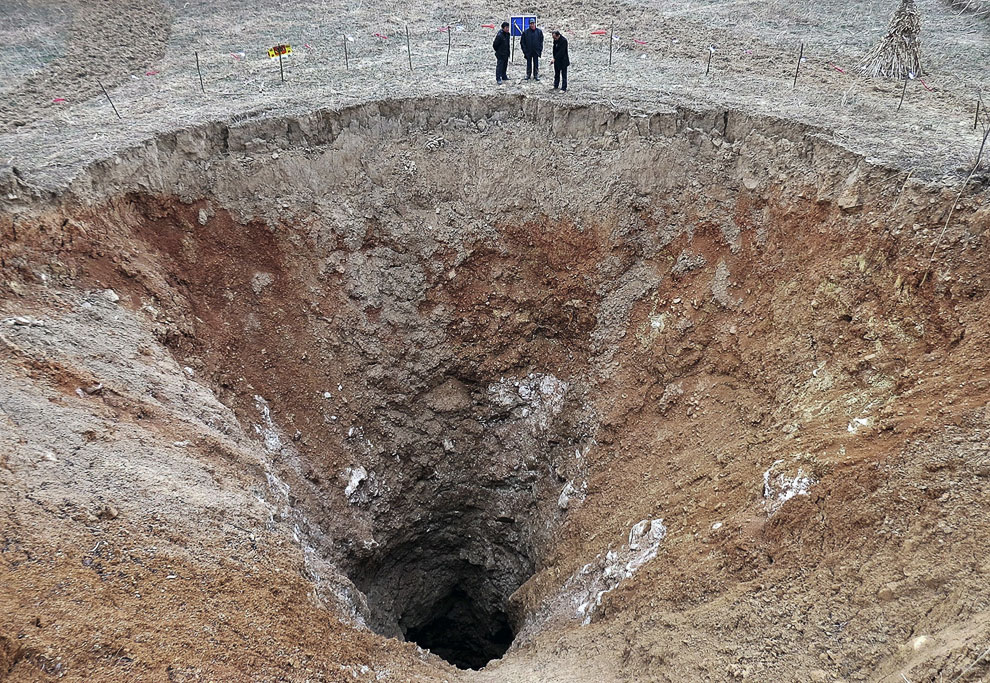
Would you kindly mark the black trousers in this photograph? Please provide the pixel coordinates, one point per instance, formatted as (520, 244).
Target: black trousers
(560, 77)
(501, 64)
(533, 66)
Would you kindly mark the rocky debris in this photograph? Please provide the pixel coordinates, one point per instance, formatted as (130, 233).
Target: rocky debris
(259, 281)
(24, 321)
(108, 512)
(354, 476)
(604, 574)
(687, 262)
(782, 482)
(720, 287)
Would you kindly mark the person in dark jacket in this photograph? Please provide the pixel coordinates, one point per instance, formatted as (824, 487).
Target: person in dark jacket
(532, 47)
(501, 47)
(561, 60)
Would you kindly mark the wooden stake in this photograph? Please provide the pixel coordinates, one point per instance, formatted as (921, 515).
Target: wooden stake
(611, 42)
(200, 72)
(110, 101)
(448, 45)
(798, 69)
(408, 48)
(346, 65)
(903, 90)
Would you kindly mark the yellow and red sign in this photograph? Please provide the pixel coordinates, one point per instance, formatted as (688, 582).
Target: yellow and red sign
(275, 52)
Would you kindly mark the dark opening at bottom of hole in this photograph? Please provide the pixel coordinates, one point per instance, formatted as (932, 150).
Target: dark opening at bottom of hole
(461, 633)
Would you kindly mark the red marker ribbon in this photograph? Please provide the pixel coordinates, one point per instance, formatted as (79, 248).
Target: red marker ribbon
(639, 42)
(926, 85)
(59, 100)
(488, 26)
(379, 35)
(599, 33)
(837, 68)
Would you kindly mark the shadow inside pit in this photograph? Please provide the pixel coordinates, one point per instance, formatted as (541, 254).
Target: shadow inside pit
(461, 633)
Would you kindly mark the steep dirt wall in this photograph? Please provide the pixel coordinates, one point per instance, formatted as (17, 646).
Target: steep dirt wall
(632, 370)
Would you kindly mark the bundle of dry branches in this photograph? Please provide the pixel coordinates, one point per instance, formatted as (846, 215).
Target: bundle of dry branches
(899, 53)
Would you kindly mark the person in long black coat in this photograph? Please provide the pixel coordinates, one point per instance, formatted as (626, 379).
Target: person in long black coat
(501, 47)
(532, 47)
(561, 60)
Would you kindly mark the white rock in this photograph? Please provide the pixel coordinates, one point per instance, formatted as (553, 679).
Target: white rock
(356, 476)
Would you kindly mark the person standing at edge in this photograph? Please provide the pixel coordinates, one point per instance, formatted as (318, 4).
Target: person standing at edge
(501, 46)
(532, 47)
(561, 60)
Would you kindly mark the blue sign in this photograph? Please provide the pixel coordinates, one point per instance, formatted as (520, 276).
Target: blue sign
(519, 24)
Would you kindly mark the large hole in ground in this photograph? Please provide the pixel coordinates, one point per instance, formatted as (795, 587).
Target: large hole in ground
(435, 343)
(447, 590)
(474, 522)
(458, 629)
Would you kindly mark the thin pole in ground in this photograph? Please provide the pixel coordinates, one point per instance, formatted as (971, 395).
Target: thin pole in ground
(903, 91)
(346, 65)
(798, 69)
(976, 121)
(938, 242)
(611, 42)
(448, 45)
(200, 72)
(711, 51)
(110, 101)
(408, 48)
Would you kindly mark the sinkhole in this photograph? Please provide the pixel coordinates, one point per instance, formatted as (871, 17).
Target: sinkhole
(468, 519)
(447, 593)
(448, 590)
(441, 333)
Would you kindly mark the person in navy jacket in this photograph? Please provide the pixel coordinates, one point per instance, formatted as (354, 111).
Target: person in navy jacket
(532, 47)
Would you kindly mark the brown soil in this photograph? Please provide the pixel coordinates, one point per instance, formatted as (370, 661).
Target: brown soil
(708, 303)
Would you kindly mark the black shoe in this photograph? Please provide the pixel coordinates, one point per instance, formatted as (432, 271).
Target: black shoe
(498, 82)
(563, 90)
(527, 78)
(536, 78)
